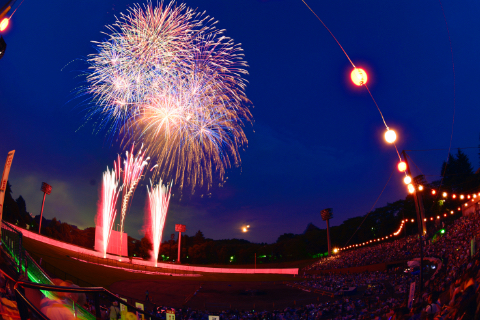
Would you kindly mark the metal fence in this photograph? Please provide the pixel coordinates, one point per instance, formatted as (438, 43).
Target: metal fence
(98, 299)
(12, 242)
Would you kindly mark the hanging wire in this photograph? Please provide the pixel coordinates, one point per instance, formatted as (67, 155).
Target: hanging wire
(441, 149)
(371, 209)
(15, 9)
(454, 91)
(330, 33)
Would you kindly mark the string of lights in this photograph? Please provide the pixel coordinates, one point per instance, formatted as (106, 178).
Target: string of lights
(471, 199)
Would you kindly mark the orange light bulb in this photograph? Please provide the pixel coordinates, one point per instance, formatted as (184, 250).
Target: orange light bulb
(402, 166)
(4, 24)
(359, 76)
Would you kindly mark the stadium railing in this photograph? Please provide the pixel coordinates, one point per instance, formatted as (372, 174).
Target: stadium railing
(26, 266)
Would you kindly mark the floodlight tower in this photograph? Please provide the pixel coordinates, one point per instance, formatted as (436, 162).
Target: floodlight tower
(327, 214)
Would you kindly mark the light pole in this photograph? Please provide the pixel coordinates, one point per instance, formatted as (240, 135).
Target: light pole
(4, 183)
(3, 47)
(420, 213)
(180, 228)
(327, 214)
(47, 189)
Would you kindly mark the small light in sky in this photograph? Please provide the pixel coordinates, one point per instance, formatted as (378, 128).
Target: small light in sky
(390, 136)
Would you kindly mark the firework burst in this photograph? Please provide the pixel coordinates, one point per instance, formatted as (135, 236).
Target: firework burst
(167, 76)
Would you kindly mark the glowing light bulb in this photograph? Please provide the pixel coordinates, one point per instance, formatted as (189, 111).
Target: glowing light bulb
(444, 194)
(420, 188)
(359, 76)
(433, 191)
(407, 180)
(462, 196)
(4, 24)
(411, 188)
(244, 229)
(390, 136)
(402, 166)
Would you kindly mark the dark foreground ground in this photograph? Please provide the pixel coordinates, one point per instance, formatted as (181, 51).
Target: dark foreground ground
(217, 295)
(217, 292)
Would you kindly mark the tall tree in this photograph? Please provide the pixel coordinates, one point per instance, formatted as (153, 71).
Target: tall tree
(199, 238)
(22, 205)
(145, 248)
(10, 208)
(448, 171)
(479, 151)
(463, 166)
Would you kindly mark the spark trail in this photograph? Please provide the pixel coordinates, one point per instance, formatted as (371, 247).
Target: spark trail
(108, 211)
(158, 201)
(133, 167)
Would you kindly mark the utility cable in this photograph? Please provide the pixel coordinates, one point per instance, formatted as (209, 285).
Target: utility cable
(358, 228)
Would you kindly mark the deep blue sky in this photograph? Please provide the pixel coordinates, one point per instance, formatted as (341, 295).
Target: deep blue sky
(317, 140)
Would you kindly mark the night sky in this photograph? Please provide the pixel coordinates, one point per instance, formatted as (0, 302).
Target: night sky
(317, 140)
